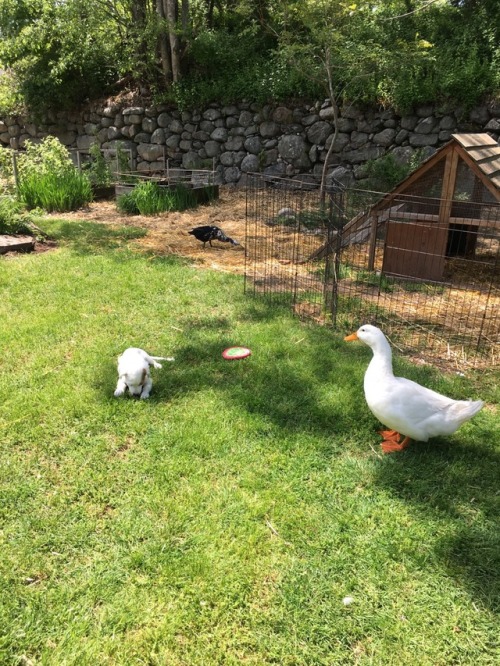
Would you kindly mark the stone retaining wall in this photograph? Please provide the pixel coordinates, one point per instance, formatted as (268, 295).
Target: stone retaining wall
(241, 138)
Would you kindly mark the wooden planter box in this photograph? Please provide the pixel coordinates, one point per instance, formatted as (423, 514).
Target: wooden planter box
(103, 192)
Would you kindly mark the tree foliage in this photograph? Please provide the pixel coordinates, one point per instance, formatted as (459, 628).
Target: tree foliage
(59, 53)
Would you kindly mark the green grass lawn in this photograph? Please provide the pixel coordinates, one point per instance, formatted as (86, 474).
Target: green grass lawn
(224, 520)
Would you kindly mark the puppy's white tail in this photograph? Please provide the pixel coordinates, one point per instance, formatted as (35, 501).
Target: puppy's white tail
(163, 358)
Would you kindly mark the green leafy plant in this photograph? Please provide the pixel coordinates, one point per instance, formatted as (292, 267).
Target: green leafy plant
(48, 156)
(386, 172)
(99, 171)
(49, 180)
(13, 217)
(148, 198)
(7, 182)
(55, 192)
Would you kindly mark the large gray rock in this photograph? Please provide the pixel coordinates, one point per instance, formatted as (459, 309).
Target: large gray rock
(340, 175)
(173, 141)
(250, 163)
(142, 137)
(149, 152)
(363, 154)
(426, 125)
(291, 147)
(232, 175)
(283, 116)
(480, 115)
(84, 142)
(385, 137)
(191, 160)
(227, 158)
(132, 119)
(493, 125)
(447, 123)
(158, 136)
(164, 120)
(310, 119)
(419, 140)
(133, 111)
(358, 139)
(176, 127)
(246, 118)
(341, 142)
(319, 132)
(212, 114)
(219, 134)
(403, 154)
(234, 143)
(409, 122)
(149, 125)
(253, 145)
(69, 138)
(268, 129)
(212, 148)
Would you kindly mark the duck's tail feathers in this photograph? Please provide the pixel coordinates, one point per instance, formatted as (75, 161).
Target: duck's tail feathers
(466, 409)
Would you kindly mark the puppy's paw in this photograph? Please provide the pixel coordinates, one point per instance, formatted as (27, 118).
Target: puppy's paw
(118, 393)
(144, 396)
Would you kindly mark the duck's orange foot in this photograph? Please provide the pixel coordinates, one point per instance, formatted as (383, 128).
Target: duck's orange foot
(392, 444)
(390, 435)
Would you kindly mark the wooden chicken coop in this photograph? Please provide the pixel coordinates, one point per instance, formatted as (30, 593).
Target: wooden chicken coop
(439, 211)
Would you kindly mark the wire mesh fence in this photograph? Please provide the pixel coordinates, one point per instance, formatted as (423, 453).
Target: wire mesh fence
(431, 281)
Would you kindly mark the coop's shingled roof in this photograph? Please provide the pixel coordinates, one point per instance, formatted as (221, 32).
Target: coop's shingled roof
(485, 152)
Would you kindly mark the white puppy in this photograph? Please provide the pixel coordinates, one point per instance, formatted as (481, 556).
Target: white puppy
(133, 372)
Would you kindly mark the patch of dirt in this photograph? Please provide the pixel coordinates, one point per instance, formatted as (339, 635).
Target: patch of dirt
(168, 232)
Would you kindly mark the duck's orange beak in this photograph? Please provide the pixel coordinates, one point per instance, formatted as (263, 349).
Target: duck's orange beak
(350, 338)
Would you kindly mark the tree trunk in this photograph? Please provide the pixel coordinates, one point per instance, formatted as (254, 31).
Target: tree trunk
(139, 12)
(185, 16)
(335, 107)
(163, 44)
(171, 8)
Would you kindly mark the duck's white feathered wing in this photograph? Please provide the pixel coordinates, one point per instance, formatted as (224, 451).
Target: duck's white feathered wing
(416, 411)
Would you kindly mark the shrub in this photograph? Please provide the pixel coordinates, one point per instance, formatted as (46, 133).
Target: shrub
(48, 156)
(55, 192)
(99, 171)
(49, 180)
(13, 217)
(150, 199)
(384, 173)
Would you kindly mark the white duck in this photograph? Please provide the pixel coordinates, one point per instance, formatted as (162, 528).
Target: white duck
(403, 405)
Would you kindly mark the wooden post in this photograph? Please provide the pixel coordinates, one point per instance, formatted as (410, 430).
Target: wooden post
(373, 242)
(15, 171)
(448, 189)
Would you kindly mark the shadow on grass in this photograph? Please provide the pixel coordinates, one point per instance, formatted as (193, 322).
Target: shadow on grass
(314, 390)
(458, 483)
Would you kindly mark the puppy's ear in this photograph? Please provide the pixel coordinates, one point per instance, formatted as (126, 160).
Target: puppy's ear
(144, 375)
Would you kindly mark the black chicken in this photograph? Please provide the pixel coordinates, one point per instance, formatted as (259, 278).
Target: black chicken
(208, 233)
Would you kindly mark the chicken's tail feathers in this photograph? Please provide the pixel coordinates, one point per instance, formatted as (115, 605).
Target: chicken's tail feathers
(226, 239)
